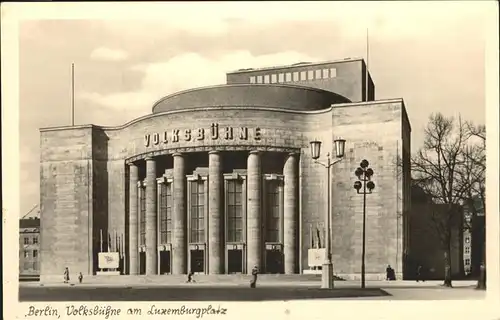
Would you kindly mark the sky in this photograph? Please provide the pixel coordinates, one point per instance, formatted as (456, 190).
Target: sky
(431, 54)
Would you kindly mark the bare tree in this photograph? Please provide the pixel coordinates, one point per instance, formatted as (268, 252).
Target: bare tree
(438, 169)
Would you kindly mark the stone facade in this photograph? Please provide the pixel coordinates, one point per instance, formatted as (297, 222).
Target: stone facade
(88, 175)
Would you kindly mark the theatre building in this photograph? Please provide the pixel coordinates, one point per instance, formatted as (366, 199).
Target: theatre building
(220, 179)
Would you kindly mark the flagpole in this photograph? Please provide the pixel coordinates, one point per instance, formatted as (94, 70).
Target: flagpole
(100, 238)
(367, 62)
(72, 94)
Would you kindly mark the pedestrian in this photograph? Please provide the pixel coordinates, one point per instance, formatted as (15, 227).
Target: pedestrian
(388, 273)
(255, 272)
(66, 275)
(419, 273)
(190, 277)
(80, 277)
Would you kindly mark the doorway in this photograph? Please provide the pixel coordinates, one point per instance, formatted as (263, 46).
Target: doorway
(274, 261)
(197, 261)
(235, 261)
(142, 262)
(165, 262)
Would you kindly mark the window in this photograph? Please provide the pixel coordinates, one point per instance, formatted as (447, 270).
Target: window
(35, 240)
(310, 75)
(333, 73)
(234, 211)
(288, 77)
(295, 76)
(166, 213)
(467, 262)
(274, 78)
(272, 211)
(467, 249)
(26, 254)
(303, 75)
(281, 77)
(142, 216)
(318, 74)
(252, 79)
(325, 73)
(467, 239)
(266, 79)
(35, 253)
(35, 265)
(197, 211)
(259, 79)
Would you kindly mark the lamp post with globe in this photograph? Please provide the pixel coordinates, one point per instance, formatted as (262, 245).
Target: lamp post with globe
(364, 175)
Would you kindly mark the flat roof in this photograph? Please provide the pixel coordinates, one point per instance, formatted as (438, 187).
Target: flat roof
(295, 65)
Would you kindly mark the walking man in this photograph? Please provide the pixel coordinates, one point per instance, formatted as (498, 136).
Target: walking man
(66, 275)
(255, 272)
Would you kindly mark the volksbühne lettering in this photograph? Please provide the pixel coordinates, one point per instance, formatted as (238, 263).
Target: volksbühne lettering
(176, 135)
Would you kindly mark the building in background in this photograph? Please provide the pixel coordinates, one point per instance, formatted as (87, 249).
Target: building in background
(220, 179)
(474, 237)
(425, 244)
(29, 248)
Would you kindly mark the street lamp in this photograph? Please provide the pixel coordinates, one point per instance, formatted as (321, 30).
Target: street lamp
(327, 268)
(364, 175)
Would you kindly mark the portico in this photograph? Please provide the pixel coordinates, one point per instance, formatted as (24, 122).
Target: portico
(214, 211)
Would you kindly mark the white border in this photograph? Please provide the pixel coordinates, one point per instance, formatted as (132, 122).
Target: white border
(12, 13)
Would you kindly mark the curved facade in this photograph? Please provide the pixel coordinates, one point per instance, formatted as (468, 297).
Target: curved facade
(288, 97)
(219, 180)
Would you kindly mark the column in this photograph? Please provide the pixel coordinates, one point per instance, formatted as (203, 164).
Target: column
(133, 220)
(290, 213)
(254, 211)
(179, 254)
(151, 219)
(215, 250)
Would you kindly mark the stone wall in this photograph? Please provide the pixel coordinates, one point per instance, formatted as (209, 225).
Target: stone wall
(373, 132)
(66, 201)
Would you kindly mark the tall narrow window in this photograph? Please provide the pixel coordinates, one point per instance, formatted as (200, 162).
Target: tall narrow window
(234, 211)
(310, 75)
(325, 73)
(26, 240)
(166, 213)
(35, 240)
(142, 216)
(281, 77)
(252, 79)
(318, 74)
(272, 211)
(333, 73)
(197, 211)
(303, 75)
(274, 78)
(296, 76)
(35, 253)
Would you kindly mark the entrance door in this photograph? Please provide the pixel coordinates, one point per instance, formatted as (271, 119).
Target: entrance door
(142, 262)
(235, 261)
(164, 262)
(197, 261)
(274, 261)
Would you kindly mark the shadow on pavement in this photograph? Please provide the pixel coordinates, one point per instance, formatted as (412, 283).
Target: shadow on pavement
(192, 294)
